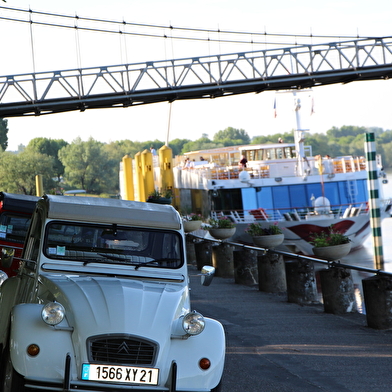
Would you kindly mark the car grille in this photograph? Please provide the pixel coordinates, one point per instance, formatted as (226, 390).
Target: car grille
(123, 350)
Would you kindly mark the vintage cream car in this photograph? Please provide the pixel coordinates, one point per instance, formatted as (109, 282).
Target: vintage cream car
(101, 303)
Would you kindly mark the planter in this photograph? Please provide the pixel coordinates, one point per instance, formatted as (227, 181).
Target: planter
(334, 252)
(268, 241)
(191, 225)
(222, 234)
(161, 200)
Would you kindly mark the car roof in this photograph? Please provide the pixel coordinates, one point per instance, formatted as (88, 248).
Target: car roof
(102, 210)
(18, 203)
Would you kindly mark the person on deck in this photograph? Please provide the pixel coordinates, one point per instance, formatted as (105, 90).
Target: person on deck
(243, 162)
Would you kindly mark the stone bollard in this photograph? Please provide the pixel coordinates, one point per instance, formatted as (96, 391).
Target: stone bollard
(337, 287)
(301, 282)
(203, 251)
(377, 293)
(245, 266)
(271, 272)
(223, 260)
(190, 251)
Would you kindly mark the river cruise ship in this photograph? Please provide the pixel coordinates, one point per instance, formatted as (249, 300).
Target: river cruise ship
(282, 184)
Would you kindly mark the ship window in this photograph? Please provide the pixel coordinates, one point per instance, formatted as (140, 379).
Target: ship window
(228, 200)
(288, 152)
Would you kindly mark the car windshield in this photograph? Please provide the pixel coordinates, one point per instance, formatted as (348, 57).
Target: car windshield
(113, 244)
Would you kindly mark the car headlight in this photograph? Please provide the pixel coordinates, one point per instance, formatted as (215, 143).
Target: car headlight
(53, 313)
(193, 323)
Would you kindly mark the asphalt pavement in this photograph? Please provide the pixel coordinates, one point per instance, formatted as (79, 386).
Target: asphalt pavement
(277, 346)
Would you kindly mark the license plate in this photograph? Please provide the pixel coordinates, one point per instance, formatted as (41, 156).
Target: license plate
(128, 374)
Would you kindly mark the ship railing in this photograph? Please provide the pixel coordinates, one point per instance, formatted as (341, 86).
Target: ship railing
(259, 170)
(294, 214)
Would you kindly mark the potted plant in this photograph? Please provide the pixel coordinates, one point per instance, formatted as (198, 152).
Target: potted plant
(191, 222)
(265, 237)
(221, 228)
(330, 244)
(164, 197)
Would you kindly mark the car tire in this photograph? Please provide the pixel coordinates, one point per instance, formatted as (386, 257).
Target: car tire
(10, 380)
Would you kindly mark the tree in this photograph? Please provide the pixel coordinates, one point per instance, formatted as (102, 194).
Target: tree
(177, 145)
(231, 137)
(89, 166)
(18, 172)
(201, 144)
(49, 147)
(3, 134)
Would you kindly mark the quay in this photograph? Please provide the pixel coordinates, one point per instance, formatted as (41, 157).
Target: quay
(277, 346)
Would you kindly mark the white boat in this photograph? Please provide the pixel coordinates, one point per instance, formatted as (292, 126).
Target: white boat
(283, 184)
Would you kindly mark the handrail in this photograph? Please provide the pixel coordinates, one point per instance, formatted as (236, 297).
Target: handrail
(330, 264)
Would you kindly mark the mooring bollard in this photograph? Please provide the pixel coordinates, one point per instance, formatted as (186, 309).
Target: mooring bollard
(223, 260)
(203, 251)
(337, 288)
(377, 292)
(271, 273)
(301, 282)
(245, 266)
(190, 250)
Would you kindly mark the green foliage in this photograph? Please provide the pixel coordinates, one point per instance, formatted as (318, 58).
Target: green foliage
(287, 137)
(255, 229)
(88, 166)
(50, 147)
(3, 134)
(231, 137)
(328, 237)
(201, 144)
(177, 145)
(18, 172)
(158, 194)
(221, 223)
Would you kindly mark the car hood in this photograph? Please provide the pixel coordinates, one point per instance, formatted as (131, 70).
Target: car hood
(106, 305)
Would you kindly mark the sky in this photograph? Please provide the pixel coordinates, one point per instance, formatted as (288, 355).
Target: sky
(359, 103)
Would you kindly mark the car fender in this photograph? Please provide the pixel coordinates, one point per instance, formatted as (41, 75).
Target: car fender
(27, 327)
(188, 352)
(8, 292)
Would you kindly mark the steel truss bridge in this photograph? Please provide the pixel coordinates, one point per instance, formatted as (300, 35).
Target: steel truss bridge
(197, 77)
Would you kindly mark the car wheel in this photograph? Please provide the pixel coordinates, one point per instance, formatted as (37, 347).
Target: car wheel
(10, 380)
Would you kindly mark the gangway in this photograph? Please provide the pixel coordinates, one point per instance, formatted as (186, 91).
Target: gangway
(212, 76)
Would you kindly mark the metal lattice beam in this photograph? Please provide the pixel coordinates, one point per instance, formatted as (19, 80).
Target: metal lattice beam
(199, 77)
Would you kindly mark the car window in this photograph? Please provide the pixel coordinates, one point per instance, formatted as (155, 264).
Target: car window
(13, 227)
(113, 244)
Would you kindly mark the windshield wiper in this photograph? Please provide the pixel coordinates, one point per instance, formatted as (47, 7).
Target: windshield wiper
(88, 261)
(112, 257)
(169, 259)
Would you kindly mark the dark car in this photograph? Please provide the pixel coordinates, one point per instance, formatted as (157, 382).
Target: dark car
(15, 215)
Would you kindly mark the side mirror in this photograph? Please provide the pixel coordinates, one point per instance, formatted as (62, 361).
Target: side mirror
(7, 256)
(207, 274)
